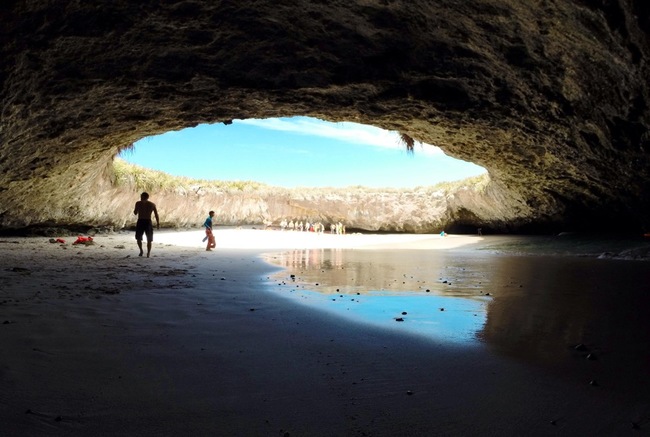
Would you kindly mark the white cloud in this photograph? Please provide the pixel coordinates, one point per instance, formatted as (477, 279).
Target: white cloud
(344, 131)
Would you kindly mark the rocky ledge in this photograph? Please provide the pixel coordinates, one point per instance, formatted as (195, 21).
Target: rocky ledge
(550, 97)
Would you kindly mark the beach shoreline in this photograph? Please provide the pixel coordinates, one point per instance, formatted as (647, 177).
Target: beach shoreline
(100, 341)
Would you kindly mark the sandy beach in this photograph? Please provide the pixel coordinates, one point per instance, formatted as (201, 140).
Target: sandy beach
(97, 341)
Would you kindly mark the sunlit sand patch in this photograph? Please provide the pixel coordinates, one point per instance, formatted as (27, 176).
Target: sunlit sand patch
(272, 239)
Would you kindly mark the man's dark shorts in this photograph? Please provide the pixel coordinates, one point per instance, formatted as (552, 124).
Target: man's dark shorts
(144, 226)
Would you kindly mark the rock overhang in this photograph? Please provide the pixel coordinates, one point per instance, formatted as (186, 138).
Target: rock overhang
(551, 98)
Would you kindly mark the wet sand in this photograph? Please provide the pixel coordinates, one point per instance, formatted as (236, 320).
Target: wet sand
(98, 341)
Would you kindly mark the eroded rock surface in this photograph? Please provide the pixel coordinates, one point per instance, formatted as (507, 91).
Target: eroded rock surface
(420, 210)
(550, 96)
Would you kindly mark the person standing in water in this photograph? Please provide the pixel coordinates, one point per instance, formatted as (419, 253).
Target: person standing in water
(208, 232)
(143, 209)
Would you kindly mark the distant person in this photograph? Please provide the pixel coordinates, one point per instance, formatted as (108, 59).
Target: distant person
(207, 224)
(480, 231)
(443, 234)
(143, 209)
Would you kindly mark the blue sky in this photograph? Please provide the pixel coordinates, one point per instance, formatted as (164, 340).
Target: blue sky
(297, 152)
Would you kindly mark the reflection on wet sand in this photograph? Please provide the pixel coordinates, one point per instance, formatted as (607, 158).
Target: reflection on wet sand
(381, 288)
(345, 270)
(584, 316)
(581, 317)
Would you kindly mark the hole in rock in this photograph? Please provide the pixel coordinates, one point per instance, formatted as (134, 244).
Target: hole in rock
(297, 152)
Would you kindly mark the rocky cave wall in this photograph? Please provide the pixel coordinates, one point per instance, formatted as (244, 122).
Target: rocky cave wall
(551, 96)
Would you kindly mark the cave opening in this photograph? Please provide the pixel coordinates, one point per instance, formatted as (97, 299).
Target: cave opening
(293, 152)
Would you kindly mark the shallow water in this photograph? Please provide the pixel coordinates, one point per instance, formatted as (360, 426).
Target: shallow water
(581, 313)
(442, 298)
(635, 248)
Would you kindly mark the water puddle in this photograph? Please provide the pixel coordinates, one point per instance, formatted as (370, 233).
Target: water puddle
(428, 295)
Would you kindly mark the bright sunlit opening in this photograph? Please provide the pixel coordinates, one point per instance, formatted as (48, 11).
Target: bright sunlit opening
(298, 152)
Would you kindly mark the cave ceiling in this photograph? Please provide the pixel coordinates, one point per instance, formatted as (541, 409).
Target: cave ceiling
(550, 96)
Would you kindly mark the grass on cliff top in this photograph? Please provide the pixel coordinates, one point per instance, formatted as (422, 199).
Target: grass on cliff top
(155, 181)
(144, 179)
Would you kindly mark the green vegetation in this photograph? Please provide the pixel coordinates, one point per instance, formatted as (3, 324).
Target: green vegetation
(144, 179)
(476, 183)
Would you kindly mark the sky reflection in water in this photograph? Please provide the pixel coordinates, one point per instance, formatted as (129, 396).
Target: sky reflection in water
(539, 309)
(443, 299)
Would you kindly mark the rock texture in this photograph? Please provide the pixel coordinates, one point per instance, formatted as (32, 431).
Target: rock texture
(551, 96)
(420, 210)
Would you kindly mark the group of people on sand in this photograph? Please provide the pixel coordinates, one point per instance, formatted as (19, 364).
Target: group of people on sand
(144, 208)
(318, 227)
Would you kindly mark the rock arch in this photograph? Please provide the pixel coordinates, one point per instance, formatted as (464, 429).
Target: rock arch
(550, 96)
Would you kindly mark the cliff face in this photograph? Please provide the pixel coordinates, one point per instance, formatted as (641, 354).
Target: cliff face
(550, 96)
(421, 210)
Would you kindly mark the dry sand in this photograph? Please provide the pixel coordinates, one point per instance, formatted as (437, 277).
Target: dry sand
(97, 341)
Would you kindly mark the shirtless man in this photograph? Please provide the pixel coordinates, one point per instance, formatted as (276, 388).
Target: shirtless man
(143, 209)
